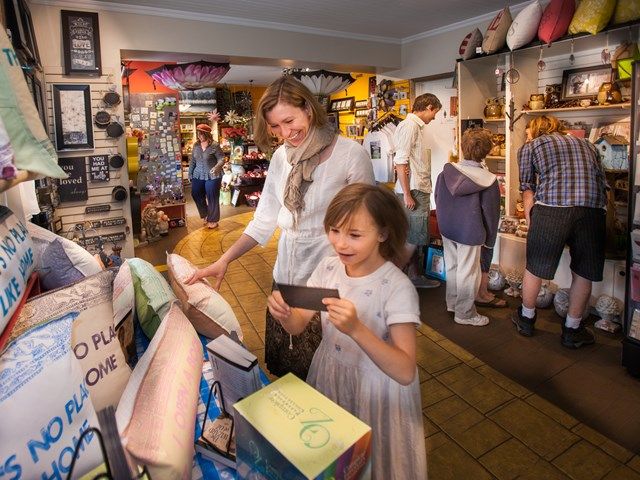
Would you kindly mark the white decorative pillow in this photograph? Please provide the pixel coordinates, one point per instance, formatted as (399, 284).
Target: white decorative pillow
(94, 339)
(44, 405)
(469, 44)
(524, 27)
(205, 308)
(496, 34)
(157, 414)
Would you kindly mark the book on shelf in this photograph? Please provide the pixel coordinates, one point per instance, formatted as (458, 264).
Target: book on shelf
(234, 367)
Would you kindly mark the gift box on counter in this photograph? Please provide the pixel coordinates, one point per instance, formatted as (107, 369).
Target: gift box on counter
(291, 430)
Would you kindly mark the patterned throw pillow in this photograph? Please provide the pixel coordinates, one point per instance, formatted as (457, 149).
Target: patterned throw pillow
(16, 264)
(496, 35)
(45, 405)
(205, 308)
(469, 44)
(555, 20)
(153, 295)
(156, 417)
(592, 16)
(94, 341)
(524, 27)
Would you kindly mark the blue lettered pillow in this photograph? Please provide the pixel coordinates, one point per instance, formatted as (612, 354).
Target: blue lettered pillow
(16, 263)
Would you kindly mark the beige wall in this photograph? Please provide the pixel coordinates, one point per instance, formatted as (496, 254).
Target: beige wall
(126, 31)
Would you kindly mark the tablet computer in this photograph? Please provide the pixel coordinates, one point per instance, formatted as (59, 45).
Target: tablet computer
(299, 296)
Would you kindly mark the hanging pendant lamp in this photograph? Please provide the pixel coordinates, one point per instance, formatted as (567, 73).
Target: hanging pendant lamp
(324, 82)
(190, 76)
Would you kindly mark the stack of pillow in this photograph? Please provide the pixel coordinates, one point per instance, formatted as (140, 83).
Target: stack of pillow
(558, 18)
(71, 350)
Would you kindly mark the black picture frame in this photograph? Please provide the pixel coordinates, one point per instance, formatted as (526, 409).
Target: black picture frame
(72, 117)
(342, 104)
(584, 82)
(20, 24)
(81, 43)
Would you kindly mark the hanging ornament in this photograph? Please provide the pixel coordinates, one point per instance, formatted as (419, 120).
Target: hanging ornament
(572, 57)
(499, 70)
(605, 56)
(541, 64)
(512, 75)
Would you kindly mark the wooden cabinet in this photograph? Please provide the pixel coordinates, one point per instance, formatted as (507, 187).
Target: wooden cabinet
(515, 76)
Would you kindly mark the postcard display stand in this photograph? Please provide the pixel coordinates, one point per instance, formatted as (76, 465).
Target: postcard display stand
(160, 174)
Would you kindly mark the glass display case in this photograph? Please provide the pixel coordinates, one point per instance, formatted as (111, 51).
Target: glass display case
(631, 324)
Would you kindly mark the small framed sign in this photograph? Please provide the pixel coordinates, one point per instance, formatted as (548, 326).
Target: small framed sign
(99, 168)
(73, 188)
(342, 104)
(97, 208)
(81, 43)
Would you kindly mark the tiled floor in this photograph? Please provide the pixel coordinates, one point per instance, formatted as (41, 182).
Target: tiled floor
(479, 423)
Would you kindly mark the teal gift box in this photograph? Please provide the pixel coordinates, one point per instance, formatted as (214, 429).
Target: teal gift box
(288, 430)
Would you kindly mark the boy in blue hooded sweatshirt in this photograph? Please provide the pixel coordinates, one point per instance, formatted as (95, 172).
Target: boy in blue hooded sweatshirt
(468, 209)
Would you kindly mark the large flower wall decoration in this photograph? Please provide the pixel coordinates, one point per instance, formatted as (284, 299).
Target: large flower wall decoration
(190, 76)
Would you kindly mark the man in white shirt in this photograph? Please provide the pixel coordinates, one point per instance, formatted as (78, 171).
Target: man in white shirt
(413, 185)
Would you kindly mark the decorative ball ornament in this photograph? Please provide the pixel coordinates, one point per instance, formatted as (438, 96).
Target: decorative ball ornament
(544, 298)
(561, 302)
(496, 279)
(608, 307)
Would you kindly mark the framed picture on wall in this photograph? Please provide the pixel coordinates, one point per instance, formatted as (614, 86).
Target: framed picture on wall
(584, 82)
(342, 104)
(72, 117)
(20, 24)
(81, 43)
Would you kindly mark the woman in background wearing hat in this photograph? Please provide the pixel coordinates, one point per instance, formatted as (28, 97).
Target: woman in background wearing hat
(304, 174)
(205, 173)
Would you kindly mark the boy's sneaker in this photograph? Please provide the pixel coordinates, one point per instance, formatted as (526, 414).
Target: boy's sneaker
(576, 337)
(477, 321)
(523, 324)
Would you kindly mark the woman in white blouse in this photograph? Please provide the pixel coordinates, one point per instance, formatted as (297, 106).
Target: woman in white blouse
(312, 165)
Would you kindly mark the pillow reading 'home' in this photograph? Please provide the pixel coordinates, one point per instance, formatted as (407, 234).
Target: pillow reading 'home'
(94, 341)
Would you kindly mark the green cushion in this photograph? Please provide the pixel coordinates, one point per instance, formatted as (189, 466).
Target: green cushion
(153, 295)
(31, 145)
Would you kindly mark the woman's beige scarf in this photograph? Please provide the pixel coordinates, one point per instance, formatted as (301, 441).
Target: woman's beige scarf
(304, 159)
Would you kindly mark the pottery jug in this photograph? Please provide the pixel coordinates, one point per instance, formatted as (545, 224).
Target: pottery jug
(492, 108)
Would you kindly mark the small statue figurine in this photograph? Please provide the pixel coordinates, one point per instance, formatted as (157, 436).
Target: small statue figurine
(150, 222)
(163, 223)
(514, 279)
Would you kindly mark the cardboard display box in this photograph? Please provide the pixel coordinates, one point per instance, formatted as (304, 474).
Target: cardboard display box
(291, 431)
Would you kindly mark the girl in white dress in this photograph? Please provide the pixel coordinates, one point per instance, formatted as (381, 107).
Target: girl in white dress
(366, 361)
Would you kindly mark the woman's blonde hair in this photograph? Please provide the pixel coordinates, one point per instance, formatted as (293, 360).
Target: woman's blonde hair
(545, 125)
(287, 90)
(383, 206)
